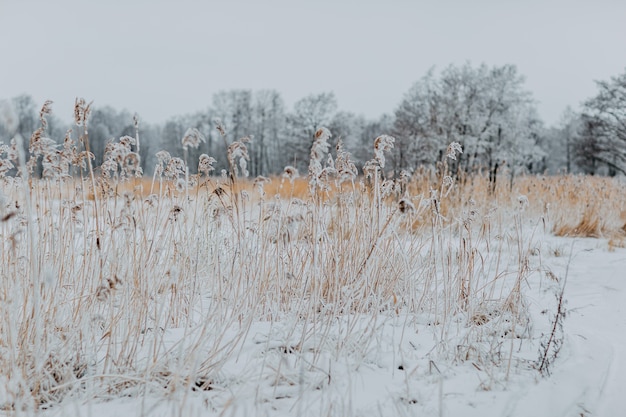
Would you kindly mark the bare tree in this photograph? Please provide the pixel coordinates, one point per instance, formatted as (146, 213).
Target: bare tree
(605, 124)
(416, 125)
(485, 109)
(26, 111)
(269, 120)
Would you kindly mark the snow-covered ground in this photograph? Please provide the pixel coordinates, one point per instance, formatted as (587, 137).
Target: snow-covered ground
(589, 379)
(397, 372)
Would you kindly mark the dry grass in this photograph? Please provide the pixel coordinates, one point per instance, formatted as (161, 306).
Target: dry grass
(579, 206)
(97, 271)
(574, 206)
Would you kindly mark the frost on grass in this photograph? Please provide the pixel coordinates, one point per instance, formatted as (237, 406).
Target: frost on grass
(232, 297)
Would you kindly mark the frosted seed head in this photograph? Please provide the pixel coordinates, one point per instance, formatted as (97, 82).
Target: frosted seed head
(163, 157)
(382, 144)
(291, 173)
(220, 126)
(192, 138)
(205, 164)
(453, 149)
(239, 150)
(322, 134)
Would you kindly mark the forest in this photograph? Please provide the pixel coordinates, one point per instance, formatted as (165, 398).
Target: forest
(486, 109)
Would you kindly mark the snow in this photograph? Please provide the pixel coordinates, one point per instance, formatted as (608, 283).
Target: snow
(591, 376)
(397, 372)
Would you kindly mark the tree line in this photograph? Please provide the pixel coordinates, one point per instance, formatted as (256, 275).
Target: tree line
(487, 110)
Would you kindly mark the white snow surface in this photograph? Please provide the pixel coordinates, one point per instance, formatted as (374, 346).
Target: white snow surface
(397, 373)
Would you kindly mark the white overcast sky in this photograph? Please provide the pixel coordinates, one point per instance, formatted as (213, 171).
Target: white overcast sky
(163, 58)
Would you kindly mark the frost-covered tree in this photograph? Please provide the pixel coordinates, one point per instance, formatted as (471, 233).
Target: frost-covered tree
(486, 110)
(416, 125)
(150, 139)
(172, 133)
(25, 110)
(268, 120)
(559, 143)
(8, 121)
(234, 109)
(259, 115)
(348, 127)
(587, 147)
(605, 125)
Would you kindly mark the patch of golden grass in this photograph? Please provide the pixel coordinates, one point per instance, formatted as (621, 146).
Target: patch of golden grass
(584, 206)
(574, 206)
(298, 188)
(590, 225)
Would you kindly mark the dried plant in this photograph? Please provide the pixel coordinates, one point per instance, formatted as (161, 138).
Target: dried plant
(158, 295)
(120, 160)
(238, 152)
(205, 164)
(291, 173)
(192, 138)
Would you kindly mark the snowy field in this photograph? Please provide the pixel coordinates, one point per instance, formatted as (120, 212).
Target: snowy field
(395, 375)
(312, 209)
(330, 295)
(419, 350)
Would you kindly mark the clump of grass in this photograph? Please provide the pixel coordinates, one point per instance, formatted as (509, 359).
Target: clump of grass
(579, 206)
(590, 225)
